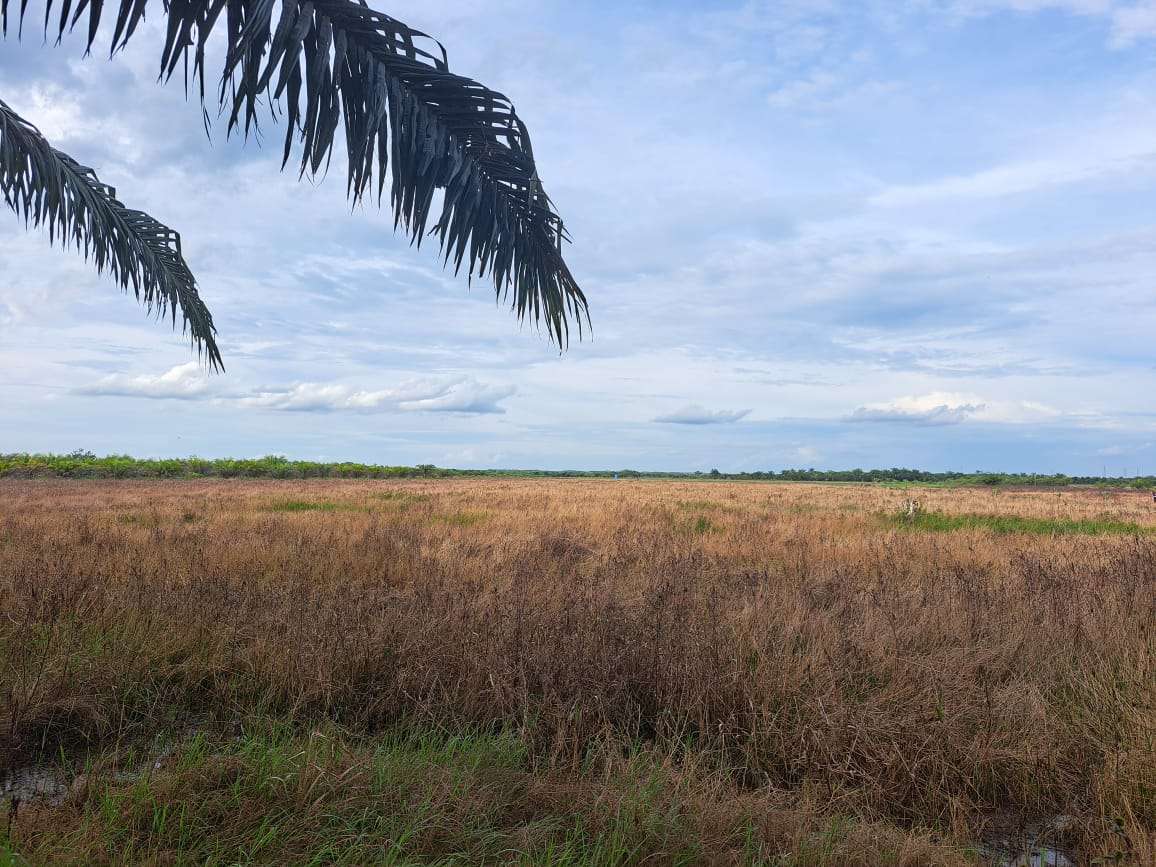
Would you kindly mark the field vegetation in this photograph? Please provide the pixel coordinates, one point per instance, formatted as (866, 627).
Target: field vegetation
(572, 671)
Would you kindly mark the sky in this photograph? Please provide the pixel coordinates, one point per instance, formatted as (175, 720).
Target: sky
(813, 233)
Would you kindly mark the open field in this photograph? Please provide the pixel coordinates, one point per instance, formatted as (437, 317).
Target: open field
(573, 671)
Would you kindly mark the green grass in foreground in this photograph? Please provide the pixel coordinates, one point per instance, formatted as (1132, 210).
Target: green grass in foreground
(939, 522)
(279, 795)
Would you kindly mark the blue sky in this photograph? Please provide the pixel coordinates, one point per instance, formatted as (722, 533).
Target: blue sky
(812, 233)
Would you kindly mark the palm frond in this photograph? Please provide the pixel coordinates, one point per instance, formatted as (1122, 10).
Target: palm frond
(46, 186)
(331, 63)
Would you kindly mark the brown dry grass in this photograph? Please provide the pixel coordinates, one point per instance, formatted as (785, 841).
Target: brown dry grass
(789, 635)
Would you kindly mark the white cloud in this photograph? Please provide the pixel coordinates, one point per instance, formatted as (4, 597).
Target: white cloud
(190, 381)
(696, 414)
(947, 408)
(932, 409)
(807, 453)
(467, 395)
(1121, 451)
(1128, 22)
(461, 394)
(183, 382)
(1133, 22)
(824, 90)
(319, 397)
(987, 7)
(816, 85)
(1027, 177)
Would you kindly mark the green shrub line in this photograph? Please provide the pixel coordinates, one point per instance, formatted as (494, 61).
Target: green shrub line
(86, 465)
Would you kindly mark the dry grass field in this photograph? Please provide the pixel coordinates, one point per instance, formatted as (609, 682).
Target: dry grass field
(583, 672)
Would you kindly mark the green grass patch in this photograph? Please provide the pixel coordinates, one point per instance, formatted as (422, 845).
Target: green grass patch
(412, 794)
(940, 522)
(302, 506)
(276, 795)
(314, 506)
(804, 509)
(699, 525)
(395, 499)
(462, 519)
(966, 482)
(8, 856)
(401, 500)
(699, 505)
(710, 507)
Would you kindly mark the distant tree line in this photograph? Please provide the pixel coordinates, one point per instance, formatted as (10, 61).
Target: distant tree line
(86, 465)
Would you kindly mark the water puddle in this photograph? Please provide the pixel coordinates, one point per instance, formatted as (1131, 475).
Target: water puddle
(1031, 845)
(50, 785)
(34, 783)
(1033, 856)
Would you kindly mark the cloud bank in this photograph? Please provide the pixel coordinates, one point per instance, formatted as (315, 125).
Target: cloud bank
(462, 394)
(189, 381)
(947, 408)
(183, 382)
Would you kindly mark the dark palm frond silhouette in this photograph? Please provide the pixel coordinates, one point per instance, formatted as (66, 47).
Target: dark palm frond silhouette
(47, 187)
(337, 63)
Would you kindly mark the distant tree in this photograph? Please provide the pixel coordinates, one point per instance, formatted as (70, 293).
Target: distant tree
(324, 63)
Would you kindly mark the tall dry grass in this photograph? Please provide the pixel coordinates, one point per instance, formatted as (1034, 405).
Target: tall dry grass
(794, 634)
